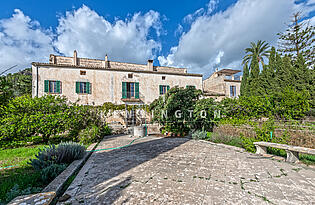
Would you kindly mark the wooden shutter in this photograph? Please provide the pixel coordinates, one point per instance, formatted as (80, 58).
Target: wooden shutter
(77, 87)
(88, 88)
(168, 87)
(161, 90)
(58, 87)
(137, 90)
(124, 90)
(46, 86)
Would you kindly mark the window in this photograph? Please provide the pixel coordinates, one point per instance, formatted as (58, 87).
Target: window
(52, 86)
(191, 86)
(83, 87)
(163, 77)
(164, 89)
(232, 91)
(130, 90)
(82, 72)
(130, 75)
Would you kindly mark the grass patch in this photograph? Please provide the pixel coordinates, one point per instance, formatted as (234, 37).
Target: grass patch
(18, 156)
(307, 159)
(20, 179)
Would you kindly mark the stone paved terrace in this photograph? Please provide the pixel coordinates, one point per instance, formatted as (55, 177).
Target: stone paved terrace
(157, 170)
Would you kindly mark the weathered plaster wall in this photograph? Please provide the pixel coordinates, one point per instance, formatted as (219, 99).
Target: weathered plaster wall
(106, 85)
(218, 84)
(214, 84)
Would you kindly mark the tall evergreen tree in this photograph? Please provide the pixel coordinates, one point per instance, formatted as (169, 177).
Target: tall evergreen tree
(298, 39)
(244, 83)
(283, 72)
(253, 80)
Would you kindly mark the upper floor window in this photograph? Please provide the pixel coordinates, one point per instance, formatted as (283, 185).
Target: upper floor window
(82, 72)
(232, 91)
(163, 77)
(130, 75)
(164, 89)
(83, 87)
(130, 90)
(52, 86)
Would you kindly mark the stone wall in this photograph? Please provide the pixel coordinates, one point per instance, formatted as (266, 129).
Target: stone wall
(303, 138)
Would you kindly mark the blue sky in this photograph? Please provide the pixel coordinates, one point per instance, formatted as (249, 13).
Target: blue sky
(200, 35)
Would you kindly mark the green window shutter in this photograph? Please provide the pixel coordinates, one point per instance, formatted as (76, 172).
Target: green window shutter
(77, 87)
(124, 90)
(161, 90)
(187, 86)
(168, 88)
(137, 90)
(46, 86)
(88, 88)
(58, 86)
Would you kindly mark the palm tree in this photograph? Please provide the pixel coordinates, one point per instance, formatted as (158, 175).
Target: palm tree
(259, 51)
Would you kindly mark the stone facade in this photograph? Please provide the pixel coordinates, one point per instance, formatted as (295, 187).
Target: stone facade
(105, 79)
(222, 84)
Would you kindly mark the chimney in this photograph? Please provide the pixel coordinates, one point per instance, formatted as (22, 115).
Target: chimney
(52, 59)
(232, 77)
(106, 61)
(216, 70)
(150, 65)
(75, 58)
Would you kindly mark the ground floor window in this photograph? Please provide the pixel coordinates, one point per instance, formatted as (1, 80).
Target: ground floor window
(164, 89)
(83, 87)
(232, 91)
(52, 86)
(191, 86)
(130, 90)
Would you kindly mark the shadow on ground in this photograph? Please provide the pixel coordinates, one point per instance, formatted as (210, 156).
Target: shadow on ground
(99, 181)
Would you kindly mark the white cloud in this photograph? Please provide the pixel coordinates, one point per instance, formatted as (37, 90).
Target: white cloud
(23, 41)
(93, 36)
(179, 30)
(219, 40)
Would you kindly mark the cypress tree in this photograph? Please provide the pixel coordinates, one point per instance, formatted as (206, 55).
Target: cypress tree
(244, 83)
(283, 73)
(254, 77)
(301, 75)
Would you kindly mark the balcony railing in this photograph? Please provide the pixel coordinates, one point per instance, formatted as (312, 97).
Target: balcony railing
(131, 96)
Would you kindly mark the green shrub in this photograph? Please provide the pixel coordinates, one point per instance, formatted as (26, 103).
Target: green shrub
(177, 103)
(199, 135)
(224, 139)
(93, 134)
(45, 157)
(64, 153)
(204, 114)
(52, 171)
(17, 191)
(70, 151)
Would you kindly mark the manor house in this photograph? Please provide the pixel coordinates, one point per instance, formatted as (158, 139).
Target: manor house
(93, 82)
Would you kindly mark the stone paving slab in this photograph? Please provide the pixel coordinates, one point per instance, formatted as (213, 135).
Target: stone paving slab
(157, 170)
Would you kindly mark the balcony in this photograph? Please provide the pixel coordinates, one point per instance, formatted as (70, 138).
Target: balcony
(131, 97)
